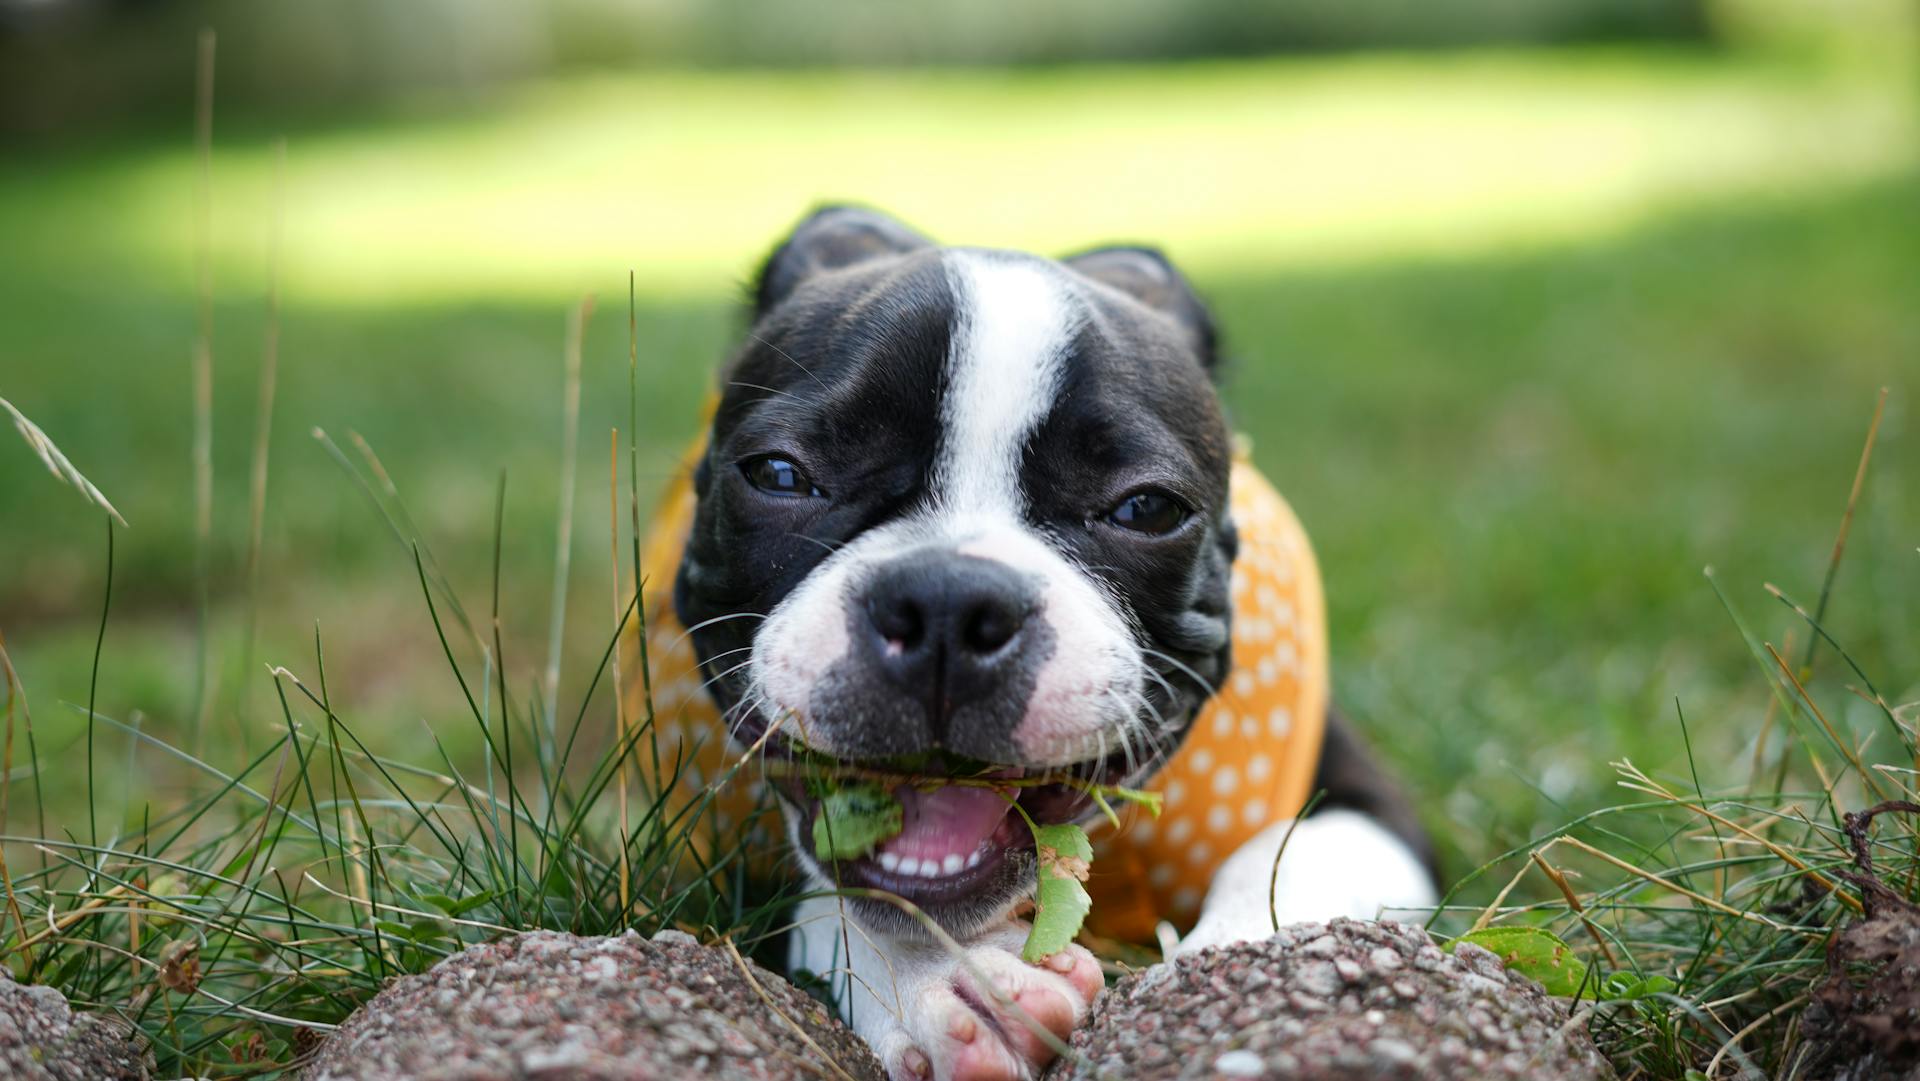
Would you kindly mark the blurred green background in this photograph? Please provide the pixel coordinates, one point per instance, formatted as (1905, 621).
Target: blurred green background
(1535, 308)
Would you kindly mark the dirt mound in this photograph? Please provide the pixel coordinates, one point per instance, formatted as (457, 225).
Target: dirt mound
(42, 1039)
(546, 1006)
(1345, 1000)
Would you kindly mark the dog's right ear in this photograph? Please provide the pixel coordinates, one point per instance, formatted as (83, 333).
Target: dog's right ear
(1148, 276)
(831, 238)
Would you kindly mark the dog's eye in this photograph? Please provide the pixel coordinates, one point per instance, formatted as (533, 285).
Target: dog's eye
(778, 476)
(1149, 512)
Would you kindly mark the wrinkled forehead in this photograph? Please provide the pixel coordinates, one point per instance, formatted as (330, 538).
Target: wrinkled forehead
(957, 359)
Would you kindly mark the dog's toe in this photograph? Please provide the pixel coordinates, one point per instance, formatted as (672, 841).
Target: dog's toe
(950, 1041)
(982, 1014)
(1032, 1008)
(986, 1060)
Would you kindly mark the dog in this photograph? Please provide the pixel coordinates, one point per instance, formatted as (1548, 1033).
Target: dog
(987, 504)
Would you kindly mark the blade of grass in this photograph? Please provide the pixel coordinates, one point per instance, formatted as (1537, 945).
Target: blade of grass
(93, 684)
(203, 378)
(262, 436)
(563, 541)
(619, 699)
(1846, 526)
(6, 788)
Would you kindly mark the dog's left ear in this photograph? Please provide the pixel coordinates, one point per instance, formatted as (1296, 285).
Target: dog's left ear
(1149, 277)
(831, 238)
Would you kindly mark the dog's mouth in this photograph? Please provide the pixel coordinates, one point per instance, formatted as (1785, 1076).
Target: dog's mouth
(961, 833)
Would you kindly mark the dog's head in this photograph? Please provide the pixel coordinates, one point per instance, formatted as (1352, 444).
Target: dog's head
(964, 501)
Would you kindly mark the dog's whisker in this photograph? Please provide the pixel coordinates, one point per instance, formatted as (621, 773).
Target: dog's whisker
(1184, 669)
(788, 357)
(736, 716)
(729, 653)
(757, 386)
(1155, 675)
(1150, 736)
(707, 684)
(705, 623)
(830, 546)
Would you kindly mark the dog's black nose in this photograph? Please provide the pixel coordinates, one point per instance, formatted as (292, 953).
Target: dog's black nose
(943, 625)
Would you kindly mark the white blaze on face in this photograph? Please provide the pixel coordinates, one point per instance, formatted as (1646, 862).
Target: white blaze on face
(1015, 321)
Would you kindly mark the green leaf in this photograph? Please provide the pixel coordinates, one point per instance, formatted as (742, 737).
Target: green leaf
(1536, 954)
(854, 818)
(468, 904)
(438, 900)
(1626, 987)
(1060, 903)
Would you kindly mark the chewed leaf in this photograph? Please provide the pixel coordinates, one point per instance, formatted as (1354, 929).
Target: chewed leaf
(1536, 954)
(1060, 903)
(854, 818)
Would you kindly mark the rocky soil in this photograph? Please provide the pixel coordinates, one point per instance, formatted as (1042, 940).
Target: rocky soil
(43, 1039)
(547, 1007)
(1346, 1000)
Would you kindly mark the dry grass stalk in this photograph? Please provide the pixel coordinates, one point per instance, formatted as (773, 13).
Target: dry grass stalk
(56, 462)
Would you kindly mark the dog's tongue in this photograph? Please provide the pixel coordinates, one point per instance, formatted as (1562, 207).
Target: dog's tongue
(946, 821)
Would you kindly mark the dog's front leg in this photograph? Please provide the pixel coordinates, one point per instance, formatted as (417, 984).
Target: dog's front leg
(930, 1012)
(1337, 863)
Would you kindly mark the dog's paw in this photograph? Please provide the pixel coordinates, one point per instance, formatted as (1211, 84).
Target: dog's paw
(979, 1016)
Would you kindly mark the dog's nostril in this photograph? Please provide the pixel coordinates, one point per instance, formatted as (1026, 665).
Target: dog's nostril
(899, 621)
(942, 625)
(990, 626)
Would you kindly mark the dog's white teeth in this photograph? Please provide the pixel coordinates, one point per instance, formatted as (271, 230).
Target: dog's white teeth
(928, 867)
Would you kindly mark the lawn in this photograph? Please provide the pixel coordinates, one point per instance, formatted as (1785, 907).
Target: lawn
(1529, 340)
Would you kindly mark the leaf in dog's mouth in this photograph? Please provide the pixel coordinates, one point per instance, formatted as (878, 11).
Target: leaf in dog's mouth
(853, 818)
(1060, 902)
(858, 811)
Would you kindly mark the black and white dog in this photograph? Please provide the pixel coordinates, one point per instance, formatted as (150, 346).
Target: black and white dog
(980, 498)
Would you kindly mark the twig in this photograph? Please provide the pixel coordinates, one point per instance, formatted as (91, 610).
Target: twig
(1713, 1066)
(1652, 788)
(1573, 901)
(1666, 884)
(767, 1000)
(1852, 756)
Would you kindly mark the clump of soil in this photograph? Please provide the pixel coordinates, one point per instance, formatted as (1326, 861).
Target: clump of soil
(1345, 1000)
(42, 1039)
(545, 1006)
(1864, 1017)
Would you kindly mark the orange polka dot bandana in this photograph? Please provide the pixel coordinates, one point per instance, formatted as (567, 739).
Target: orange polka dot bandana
(1247, 762)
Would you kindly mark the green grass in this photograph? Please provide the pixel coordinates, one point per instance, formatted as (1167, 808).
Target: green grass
(1514, 470)
(1528, 341)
